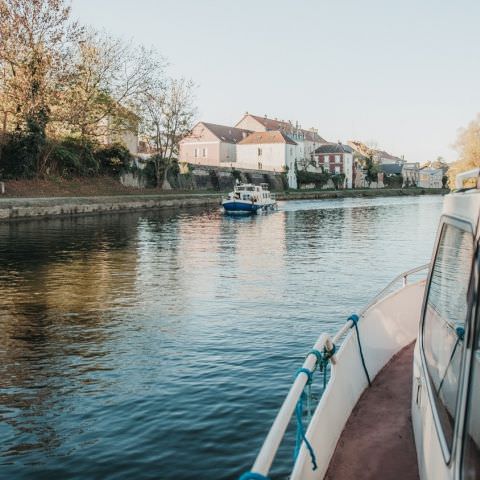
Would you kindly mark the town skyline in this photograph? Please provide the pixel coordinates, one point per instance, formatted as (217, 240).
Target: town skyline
(404, 75)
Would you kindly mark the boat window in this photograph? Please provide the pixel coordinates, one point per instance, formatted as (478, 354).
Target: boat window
(471, 456)
(443, 326)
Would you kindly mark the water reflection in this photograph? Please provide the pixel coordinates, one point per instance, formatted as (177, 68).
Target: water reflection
(138, 345)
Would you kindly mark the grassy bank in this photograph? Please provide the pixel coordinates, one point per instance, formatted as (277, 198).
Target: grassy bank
(108, 186)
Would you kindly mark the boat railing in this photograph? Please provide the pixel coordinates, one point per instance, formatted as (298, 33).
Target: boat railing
(328, 346)
(403, 277)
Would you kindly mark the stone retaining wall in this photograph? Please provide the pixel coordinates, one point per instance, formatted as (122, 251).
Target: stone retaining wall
(18, 208)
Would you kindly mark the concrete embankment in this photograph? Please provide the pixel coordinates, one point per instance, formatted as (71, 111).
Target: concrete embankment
(23, 208)
(357, 193)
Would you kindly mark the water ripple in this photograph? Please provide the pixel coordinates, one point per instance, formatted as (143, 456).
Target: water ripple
(160, 345)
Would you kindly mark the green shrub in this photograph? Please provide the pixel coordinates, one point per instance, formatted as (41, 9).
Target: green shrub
(393, 181)
(338, 180)
(73, 157)
(319, 179)
(17, 160)
(149, 172)
(113, 159)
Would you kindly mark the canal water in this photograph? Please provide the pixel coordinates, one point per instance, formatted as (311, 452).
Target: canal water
(160, 345)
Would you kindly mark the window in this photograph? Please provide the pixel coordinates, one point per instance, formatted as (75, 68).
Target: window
(443, 324)
(196, 152)
(337, 158)
(259, 165)
(471, 455)
(204, 152)
(259, 152)
(326, 159)
(337, 169)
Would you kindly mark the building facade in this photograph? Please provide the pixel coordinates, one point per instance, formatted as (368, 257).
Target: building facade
(430, 178)
(269, 150)
(211, 144)
(411, 174)
(336, 158)
(307, 140)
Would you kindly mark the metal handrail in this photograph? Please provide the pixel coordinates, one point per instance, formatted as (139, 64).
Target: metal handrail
(403, 276)
(270, 446)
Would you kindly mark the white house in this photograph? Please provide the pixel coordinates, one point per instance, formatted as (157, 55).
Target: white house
(269, 150)
(306, 140)
(430, 178)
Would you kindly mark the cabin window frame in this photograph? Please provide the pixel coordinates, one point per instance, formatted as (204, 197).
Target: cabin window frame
(472, 345)
(448, 452)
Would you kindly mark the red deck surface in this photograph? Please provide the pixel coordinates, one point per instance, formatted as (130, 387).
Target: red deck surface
(377, 441)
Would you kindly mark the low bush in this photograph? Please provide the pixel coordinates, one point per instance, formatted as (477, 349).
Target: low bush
(319, 179)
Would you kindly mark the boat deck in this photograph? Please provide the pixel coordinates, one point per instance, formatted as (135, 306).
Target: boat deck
(377, 441)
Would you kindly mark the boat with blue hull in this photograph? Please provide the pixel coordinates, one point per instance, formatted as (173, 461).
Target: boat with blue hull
(247, 198)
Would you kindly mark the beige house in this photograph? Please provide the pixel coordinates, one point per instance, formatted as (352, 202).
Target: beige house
(211, 144)
(307, 140)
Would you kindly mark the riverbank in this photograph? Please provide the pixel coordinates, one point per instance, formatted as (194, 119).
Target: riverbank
(26, 208)
(42, 207)
(357, 193)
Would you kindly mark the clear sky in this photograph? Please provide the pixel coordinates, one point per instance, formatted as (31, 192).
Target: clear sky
(404, 73)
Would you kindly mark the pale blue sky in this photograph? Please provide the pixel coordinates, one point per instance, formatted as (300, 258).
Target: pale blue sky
(404, 73)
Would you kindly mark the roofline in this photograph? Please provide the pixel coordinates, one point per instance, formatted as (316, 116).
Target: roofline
(205, 124)
(258, 117)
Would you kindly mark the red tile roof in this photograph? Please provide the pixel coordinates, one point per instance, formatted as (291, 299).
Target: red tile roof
(287, 127)
(267, 137)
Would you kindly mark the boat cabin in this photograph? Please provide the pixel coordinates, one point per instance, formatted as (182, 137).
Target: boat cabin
(247, 191)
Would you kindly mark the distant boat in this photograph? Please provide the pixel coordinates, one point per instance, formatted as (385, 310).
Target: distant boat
(248, 198)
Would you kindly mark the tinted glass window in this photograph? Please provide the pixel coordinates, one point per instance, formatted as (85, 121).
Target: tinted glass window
(444, 322)
(471, 459)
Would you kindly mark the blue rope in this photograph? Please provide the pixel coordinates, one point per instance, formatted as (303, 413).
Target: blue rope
(308, 372)
(318, 355)
(253, 476)
(354, 318)
(300, 430)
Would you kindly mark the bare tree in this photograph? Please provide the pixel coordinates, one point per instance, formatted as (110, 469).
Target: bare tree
(168, 115)
(106, 79)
